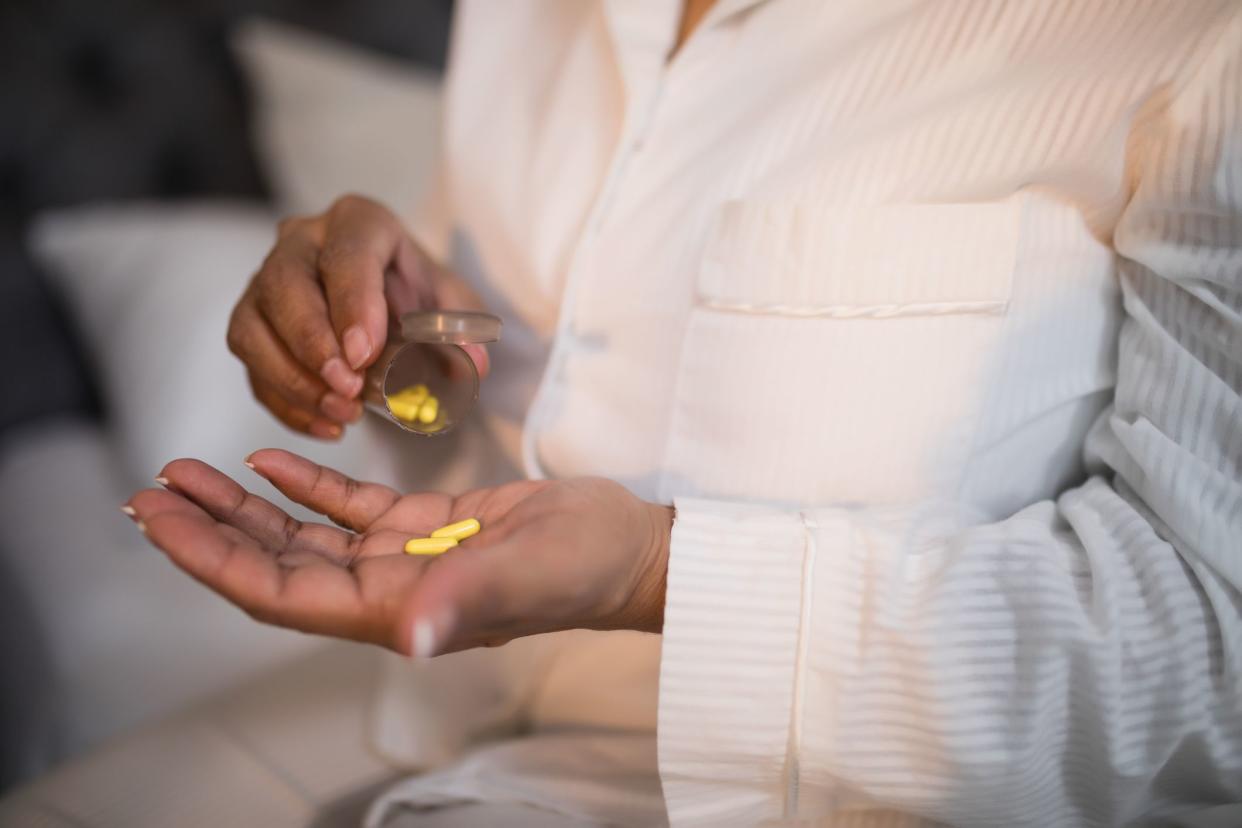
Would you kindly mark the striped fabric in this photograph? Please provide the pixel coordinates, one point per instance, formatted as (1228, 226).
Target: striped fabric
(1078, 663)
(928, 317)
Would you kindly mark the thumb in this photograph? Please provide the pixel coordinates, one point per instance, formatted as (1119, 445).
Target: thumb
(461, 602)
(482, 362)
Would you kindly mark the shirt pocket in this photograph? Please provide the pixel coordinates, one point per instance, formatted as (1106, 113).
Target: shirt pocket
(793, 260)
(840, 353)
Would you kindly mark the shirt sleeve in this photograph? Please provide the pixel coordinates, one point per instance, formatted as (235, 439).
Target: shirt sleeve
(1079, 663)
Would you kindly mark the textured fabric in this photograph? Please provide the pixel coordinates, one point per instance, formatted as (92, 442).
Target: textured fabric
(587, 776)
(138, 99)
(1078, 663)
(926, 315)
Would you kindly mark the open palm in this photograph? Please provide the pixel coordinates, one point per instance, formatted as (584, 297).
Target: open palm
(551, 554)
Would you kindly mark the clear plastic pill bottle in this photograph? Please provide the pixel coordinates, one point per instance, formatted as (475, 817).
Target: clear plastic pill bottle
(424, 352)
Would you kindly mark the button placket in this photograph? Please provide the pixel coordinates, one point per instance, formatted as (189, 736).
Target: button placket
(641, 118)
(638, 122)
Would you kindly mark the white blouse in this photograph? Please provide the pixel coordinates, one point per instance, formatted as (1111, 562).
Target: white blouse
(928, 318)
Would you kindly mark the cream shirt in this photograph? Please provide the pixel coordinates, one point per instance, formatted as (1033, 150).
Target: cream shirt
(928, 318)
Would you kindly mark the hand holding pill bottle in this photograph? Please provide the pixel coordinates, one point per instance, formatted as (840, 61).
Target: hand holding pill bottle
(313, 326)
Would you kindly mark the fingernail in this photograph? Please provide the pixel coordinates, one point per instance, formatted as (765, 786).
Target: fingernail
(342, 380)
(430, 634)
(128, 510)
(357, 346)
(142, 527)
(248, 464)
(337, 407)
(163, 481)
(329, 431)
(424, 639)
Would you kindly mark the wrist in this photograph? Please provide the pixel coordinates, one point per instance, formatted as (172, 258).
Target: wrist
(653, 579)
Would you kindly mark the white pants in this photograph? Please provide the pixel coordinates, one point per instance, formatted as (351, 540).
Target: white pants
(290, 749)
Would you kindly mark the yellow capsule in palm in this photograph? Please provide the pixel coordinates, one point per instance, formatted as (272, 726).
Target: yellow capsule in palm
(429, 546)
(458, 531)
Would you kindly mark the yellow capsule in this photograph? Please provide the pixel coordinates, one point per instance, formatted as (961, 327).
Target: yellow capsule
(404, 404)
(403, 409)
(429, 546)
(429, 411)
(458, 531)
(414, 394)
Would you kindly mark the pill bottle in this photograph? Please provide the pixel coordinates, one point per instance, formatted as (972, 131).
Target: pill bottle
(424, 351)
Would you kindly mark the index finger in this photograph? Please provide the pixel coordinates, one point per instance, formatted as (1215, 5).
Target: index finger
(350, 503)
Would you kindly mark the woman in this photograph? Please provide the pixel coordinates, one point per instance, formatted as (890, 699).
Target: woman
(926, 320)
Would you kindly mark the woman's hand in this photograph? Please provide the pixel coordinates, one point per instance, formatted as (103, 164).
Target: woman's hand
(316, 314)
(551, 555)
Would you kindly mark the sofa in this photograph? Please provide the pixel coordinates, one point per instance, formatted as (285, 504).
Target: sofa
(159, 145)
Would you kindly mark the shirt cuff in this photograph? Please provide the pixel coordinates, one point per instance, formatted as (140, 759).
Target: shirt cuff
(727, 676)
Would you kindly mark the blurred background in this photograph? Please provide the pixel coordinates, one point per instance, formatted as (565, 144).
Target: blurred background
(146, 151)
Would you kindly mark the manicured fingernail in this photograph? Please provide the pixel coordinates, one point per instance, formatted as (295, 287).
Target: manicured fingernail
(357, 346)
(431, 633)
(424, 639)
(163, 481)
(128, 510)
(342, 380)
(326, 430)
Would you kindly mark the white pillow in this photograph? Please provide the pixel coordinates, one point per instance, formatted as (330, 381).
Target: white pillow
(152, 287)
(331, 119)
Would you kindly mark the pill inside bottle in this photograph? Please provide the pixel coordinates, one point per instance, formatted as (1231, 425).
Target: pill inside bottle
(415, 404)
(425, 381)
